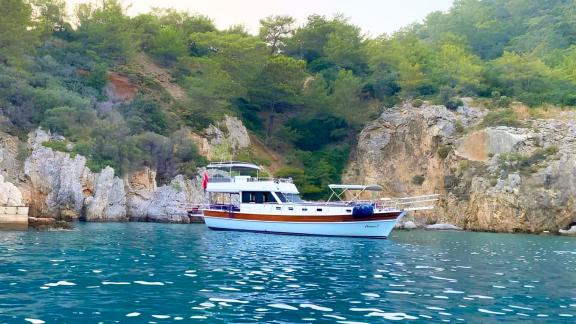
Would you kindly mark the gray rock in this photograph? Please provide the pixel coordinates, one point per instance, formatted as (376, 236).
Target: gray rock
(64, 188)
(533, 191)
(406, 225)
(571, 231)
(109, 200)
(10, 195)
(58, 183)
(166, 204)
(443, 227)
(225, 139)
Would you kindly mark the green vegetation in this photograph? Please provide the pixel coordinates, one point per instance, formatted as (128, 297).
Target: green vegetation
(502, 117)
(59, 146)
(515, 162)
(443, 151)
(418, 180)
(305, 90)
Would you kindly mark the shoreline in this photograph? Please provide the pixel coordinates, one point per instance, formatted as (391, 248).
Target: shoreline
(67, 225)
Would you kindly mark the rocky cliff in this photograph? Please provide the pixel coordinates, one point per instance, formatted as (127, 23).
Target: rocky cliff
(60, 185)
(507, 179)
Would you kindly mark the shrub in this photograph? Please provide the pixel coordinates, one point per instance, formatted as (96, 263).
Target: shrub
(59, 146)
(417, 103)
(453, 103)
(459, 127)
(526, 164)
(418, 180)
(23, 152)
(502, 117)
(503, 102)
(249, 155)
(443, 151)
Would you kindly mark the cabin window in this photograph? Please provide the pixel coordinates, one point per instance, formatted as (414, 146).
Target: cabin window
(278, 208)
(318, 209)
(248, 197)
(295, 198)
(290, 208)
(304, 209)
(268, 197)
(348, 210)
(281, 196)
(257, 197)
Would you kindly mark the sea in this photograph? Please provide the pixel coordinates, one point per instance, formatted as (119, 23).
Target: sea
(165, 273)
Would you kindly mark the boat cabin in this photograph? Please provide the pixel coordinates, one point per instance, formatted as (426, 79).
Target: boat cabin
(250, 189)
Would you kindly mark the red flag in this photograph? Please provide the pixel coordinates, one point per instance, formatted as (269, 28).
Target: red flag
(205, 181)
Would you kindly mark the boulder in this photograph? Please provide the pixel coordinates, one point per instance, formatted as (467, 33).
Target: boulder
(442, 227)
(10, 195)
(408, 225)
(571, 231)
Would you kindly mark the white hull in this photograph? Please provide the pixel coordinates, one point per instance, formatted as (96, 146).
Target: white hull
(374, 229)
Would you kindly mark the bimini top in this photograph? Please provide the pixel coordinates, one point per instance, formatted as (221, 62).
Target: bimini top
(355, 187)
(233, 166)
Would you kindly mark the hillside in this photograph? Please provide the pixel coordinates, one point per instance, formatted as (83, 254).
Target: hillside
(167, 91)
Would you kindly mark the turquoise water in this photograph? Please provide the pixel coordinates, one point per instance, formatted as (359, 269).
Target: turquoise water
(142, 272)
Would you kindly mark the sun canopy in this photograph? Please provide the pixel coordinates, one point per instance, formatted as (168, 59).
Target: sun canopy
(233, 166)
(355, 187)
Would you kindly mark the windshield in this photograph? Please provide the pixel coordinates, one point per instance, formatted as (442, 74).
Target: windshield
(281, 196)
(295, 198)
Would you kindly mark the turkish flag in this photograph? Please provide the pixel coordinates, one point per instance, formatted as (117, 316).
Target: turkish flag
(205, 181)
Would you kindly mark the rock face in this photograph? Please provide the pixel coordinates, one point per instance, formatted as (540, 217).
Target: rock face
(58, 183)
(491, 179)
(109, 200)
(166, 204)
(63, 188)
(10, 195)
(224, 139)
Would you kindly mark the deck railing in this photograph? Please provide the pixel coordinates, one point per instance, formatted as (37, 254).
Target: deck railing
(415, 203)
(250, 179)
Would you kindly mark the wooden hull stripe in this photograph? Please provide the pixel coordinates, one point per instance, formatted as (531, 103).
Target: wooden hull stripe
(302, 218)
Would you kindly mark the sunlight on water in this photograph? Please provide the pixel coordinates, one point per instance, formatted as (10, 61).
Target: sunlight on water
(167, 273)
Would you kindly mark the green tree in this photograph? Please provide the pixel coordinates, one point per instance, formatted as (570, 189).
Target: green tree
(183, 22)
(168, 45)
(50, 16)
(279, 84)
(274, 30)
(344, 47)
(16, 36)
(242, 57)
(345, 99)
(106, 30)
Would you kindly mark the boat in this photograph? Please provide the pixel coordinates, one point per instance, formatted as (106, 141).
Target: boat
(243, 202)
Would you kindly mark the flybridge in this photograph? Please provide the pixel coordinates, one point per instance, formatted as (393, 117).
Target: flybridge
(233, 166)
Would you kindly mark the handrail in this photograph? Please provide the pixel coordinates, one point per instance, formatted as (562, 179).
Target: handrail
(249, 179)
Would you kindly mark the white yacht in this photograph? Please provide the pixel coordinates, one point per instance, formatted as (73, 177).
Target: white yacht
(247, 203)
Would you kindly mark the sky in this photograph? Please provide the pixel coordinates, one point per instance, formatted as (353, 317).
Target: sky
(375, 17)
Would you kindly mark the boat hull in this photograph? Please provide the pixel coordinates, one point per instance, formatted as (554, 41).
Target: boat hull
(379, 228)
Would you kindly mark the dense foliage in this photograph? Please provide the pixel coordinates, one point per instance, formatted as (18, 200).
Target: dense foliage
(304, 90)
